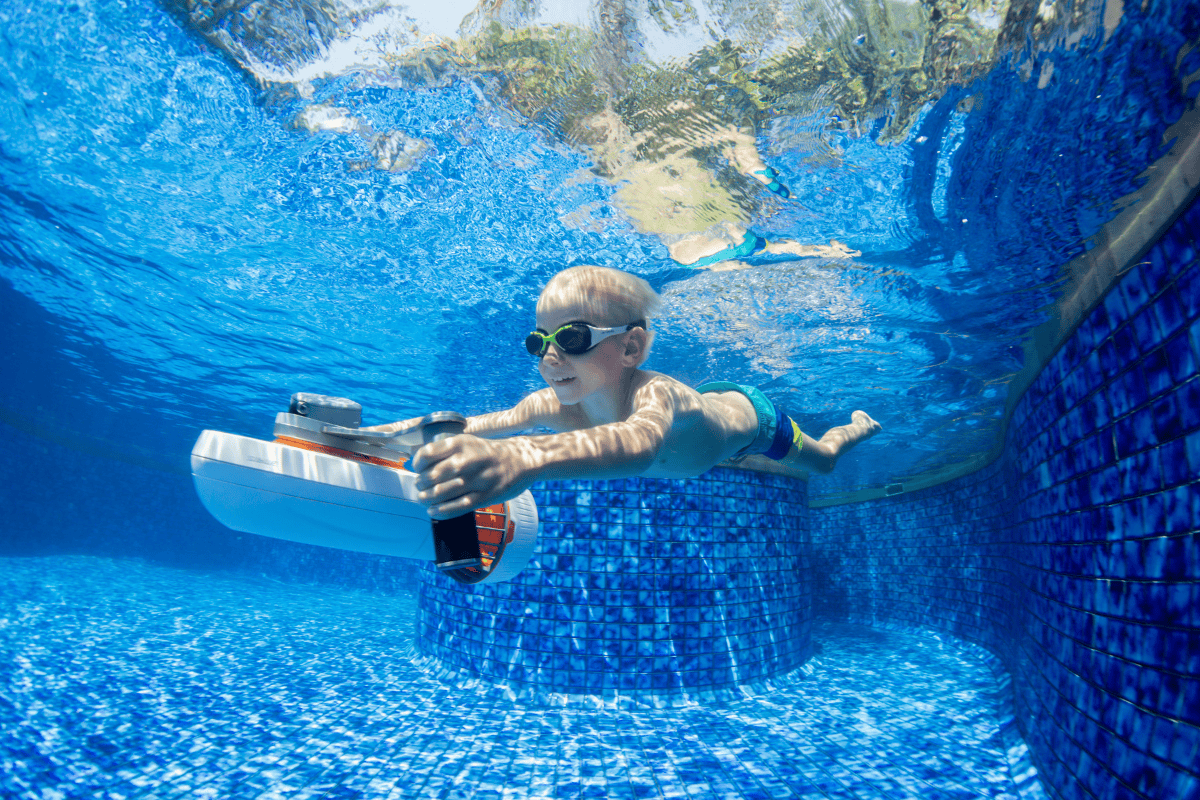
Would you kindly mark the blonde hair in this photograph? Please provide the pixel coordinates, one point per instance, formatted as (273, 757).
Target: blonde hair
(606, 296)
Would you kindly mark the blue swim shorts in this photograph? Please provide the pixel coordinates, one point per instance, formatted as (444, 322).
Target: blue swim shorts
(751, 244)
(776, 430)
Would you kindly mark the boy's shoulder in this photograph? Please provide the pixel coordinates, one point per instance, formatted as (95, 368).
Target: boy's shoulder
(646, 377)
(655, 388)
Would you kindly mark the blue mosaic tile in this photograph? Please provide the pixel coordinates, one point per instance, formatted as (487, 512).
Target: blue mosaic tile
(1188, 285)
(1194, 338)
(1181, 358)
(1126, 344)
(681, 581)
(1135, 288)
(1170, 314)
(1109, 361)
(1157, 272)
(1115, 309)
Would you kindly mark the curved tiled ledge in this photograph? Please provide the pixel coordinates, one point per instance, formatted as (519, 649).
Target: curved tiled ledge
(640, 586)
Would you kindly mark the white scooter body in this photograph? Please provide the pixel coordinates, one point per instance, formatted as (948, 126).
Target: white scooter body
(333, 486)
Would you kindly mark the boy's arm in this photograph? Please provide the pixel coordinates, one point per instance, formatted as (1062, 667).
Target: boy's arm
(466, 472)
(539, 408)
(535, 409)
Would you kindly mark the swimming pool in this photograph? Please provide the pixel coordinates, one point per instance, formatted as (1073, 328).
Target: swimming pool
(995, 597)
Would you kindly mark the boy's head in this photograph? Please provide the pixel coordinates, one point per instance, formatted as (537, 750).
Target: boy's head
(603, 298)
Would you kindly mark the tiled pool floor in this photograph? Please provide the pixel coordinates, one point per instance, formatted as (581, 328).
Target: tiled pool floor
(122, 679)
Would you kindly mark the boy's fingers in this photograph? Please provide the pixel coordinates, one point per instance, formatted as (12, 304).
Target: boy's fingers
(443, 472)
(454, 476)
(453, 508)
(432, 453)
(437, 491)
(455, 495)
(461, 500)
(422, 458)
(447, 479)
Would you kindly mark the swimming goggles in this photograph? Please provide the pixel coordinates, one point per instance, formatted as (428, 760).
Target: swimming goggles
(574, 338)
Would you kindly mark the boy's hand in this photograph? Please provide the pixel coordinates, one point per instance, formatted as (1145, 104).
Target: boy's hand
(464, 472)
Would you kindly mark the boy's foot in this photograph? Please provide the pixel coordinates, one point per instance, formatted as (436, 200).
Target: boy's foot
(834, 249)
(861, 427)
(843, 437)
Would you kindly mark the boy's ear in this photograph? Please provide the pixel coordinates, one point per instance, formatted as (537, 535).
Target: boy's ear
(637, 347)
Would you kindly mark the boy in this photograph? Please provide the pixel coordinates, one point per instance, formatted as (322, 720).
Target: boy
(612, 418)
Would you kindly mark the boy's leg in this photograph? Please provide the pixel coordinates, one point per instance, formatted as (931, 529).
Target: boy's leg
(822, 454)
(780, 438)
(716, 246)
(834, 249)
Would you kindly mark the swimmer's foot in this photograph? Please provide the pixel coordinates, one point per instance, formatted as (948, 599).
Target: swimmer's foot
(770, 178)
(861, 427)
(840, 439)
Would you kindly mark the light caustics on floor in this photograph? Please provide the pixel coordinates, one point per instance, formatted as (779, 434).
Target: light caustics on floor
(131, 680)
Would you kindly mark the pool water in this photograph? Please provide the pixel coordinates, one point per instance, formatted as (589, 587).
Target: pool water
(195, 254)
(207, 206)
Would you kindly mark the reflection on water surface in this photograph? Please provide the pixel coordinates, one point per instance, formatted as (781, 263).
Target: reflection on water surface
(212, 205)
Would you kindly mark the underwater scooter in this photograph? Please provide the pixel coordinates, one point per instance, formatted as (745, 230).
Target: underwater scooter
(324, 481)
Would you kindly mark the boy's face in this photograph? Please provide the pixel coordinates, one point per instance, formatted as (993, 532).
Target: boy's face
(574, 378)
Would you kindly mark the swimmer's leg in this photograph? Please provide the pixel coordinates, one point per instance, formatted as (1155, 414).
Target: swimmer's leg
(834, 249)
(685, 252)
(821, 455)
(780, 438)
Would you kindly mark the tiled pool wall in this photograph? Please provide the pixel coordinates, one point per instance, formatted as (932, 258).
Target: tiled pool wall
(1075, 557)
(938, 558)
(685, 587)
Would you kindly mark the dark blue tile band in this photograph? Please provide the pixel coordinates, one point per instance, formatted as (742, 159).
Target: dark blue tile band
(640, 585)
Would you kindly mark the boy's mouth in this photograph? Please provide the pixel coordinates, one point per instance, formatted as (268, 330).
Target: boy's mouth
(562, 381)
